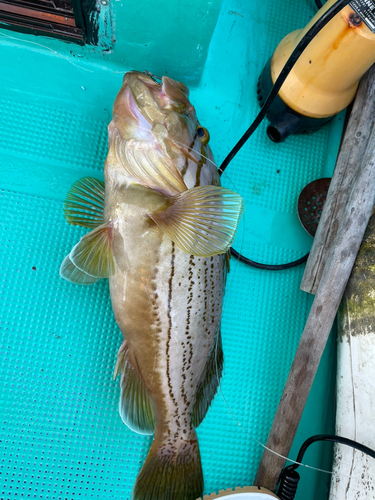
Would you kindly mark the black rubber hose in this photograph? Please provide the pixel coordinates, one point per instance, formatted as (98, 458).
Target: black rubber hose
(269, 267)
(333, 439)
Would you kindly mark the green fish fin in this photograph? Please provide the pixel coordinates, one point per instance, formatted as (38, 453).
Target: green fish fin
(202, 221)
(227, 260)
(84, 203)
(135, 403)
(93, 253)
(171, 472)
(71, 273)
(208, 386)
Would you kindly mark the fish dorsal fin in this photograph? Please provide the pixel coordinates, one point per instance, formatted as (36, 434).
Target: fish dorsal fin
(71, 273)
(135, 403)
(201, 221)
(209, 384)
(84, 203)
(146, 164)
(93, 253)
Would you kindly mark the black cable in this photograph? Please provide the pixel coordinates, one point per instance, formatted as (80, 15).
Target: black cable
(313, 31)
(319, 3)
(289, 477)
(333, 439)
(269, 267)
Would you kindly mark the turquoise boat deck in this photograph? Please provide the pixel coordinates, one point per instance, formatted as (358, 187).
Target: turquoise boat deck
(61, 433)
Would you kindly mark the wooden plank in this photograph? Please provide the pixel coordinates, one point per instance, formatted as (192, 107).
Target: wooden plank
(354, 144)
(343, 251)
(356, 377)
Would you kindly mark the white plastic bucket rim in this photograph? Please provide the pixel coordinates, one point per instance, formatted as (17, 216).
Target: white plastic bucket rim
(248, 496)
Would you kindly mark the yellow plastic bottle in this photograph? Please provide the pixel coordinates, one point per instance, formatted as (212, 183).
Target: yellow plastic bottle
(325, 78)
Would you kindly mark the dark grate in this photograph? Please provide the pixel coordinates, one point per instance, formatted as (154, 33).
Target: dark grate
(311, 202)
(58, 18)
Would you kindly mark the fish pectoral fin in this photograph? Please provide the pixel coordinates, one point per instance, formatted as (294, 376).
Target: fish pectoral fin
(84, 203)
(209, 384)
(135, 403)
(202, 221)
(93, 253)
(71, 273)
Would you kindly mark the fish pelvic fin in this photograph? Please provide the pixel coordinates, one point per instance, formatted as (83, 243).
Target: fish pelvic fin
(210, 382)
(135, 403)
(84, 203)
(69, 272)
(202, 221)
(91, 258)
(93, 253)
(172, 471)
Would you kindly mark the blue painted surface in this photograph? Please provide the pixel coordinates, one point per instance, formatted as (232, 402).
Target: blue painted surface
(61, 433)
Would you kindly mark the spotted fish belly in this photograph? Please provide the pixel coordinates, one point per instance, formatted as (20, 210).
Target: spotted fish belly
(169, 312)
(170, 317)
(189, 292)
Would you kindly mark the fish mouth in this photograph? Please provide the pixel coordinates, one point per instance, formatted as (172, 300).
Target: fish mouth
(157, 108)
(167, 94)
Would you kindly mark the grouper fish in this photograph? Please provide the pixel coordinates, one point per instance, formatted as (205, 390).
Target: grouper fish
(161, 229)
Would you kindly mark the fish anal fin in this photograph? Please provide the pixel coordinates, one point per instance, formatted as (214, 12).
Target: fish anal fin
(93, 253)
(201, 221)
(210, 382)
(135, 403)
(84, 203)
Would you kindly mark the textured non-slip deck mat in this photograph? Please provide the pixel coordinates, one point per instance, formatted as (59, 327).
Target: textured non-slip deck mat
(61, 436)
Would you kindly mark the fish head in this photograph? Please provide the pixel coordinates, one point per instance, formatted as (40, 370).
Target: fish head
(157, 115)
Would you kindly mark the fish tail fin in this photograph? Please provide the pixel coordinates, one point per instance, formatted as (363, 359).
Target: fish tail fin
(171, 471)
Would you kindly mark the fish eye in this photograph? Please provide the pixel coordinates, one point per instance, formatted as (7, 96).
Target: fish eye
(203, 135)
(156, 79)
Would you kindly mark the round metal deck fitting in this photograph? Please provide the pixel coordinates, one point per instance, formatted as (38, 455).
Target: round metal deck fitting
(311, 202)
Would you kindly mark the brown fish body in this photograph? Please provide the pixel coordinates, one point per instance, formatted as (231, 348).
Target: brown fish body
(168, 305)
(162, 238)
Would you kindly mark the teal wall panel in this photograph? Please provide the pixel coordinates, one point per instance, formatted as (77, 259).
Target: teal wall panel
(167, 37)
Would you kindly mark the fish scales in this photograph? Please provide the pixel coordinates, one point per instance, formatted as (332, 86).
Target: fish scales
(163, 242)
(172, 319)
